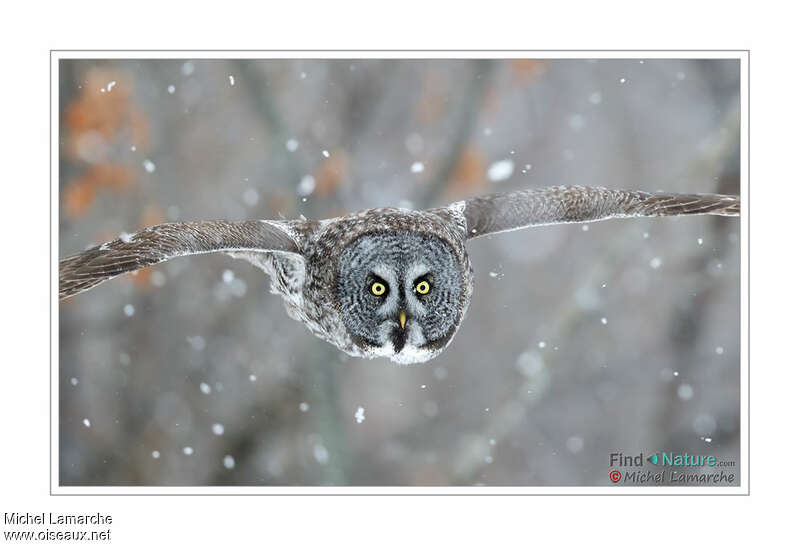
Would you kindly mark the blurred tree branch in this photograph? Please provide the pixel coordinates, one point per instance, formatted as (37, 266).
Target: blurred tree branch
(469, 109)
(724, 145)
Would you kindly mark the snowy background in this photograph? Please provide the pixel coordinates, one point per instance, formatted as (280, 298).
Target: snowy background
(580, 340)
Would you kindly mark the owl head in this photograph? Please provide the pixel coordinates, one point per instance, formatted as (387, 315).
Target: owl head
(401, 294)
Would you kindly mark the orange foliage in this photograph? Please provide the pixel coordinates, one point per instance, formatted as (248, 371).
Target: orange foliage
(151, 215)
(432, 105)
(527, 69)
(491, 102)
(330, 173)
(78, 197)
(141, 278)
(278, 202)
(108, 112)
(469, 175)
(99, 121)
(335, 212)
(80, 193)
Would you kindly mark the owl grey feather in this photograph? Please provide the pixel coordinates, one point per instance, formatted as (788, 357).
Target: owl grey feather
(380, 282)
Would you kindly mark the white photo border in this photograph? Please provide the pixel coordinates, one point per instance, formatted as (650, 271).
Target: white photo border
(743, 56)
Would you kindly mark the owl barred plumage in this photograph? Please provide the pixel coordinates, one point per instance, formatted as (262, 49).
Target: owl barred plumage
(162, 242)
(380, 282)
(568, 204)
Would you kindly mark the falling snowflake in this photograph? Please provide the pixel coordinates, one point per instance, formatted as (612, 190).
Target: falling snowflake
(574, 444)
(576, 122)
(500, 170)
(198, 343)
(306, 185)
(250, 197)
(359, 415)
(321, 454)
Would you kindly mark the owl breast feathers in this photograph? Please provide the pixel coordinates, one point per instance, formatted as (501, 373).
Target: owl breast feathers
(380, 282)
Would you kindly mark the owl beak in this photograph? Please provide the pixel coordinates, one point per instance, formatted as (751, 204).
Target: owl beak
(403, 319)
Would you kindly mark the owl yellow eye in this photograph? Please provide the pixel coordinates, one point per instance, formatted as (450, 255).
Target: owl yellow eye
(422, 287)
(378, 288)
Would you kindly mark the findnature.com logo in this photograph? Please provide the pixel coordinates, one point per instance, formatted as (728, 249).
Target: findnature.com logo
(676, 469)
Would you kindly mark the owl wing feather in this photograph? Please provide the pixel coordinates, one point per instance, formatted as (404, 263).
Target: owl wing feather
(163, 242)
(566, 204)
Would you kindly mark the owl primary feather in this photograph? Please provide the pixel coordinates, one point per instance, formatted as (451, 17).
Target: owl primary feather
(381, 282)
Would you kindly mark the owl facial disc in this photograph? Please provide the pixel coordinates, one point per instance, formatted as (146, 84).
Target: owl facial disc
(399, 294)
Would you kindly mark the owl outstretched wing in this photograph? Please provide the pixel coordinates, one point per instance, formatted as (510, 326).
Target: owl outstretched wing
(166, 241)
(566, 204)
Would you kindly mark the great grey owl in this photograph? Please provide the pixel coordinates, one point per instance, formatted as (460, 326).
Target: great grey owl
(381, 282)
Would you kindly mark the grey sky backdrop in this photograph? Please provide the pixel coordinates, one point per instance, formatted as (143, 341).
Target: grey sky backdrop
(580, 340)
